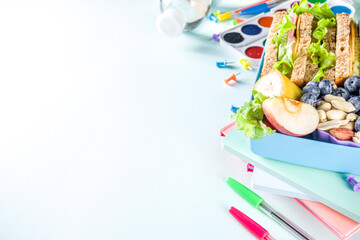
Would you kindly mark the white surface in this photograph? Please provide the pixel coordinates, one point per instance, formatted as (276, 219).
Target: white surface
(110, 131)
(263, 181)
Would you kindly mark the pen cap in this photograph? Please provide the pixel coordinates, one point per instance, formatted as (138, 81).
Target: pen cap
(246, 193)
(258, 231)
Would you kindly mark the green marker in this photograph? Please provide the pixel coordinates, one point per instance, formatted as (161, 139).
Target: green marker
(259, 203)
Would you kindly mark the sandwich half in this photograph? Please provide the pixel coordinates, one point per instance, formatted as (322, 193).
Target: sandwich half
(343, 68)
(271, 52)
(304, 69)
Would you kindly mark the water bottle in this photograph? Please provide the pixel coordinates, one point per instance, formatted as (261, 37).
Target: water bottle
(180, 15)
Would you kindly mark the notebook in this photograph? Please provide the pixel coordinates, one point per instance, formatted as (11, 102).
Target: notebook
(264, 181)
(326, 187)
(342, 226)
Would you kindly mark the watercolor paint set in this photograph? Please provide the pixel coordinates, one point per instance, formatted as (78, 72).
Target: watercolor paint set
(247, 39)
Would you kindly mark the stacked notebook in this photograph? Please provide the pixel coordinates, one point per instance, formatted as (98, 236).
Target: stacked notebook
(340, 225)
(333, 206)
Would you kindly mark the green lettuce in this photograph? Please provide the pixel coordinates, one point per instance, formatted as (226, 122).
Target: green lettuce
(285, 62)
(249, 118)
(321, 29)
(319, 11)
(325, 59)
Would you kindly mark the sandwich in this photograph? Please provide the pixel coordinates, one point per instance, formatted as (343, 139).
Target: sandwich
(312, 44)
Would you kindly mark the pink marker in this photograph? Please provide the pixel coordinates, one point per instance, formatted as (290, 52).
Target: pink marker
(258, 231)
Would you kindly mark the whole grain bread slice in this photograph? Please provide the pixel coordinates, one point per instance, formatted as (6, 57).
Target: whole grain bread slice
(343, 58)
(304, 70)
(270, 57)
(330, 46)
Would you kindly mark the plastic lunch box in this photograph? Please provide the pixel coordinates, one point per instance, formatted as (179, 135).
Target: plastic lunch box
(307, 151)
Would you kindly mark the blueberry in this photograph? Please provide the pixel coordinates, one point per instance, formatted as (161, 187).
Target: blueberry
(357, 124)
(342, 92)
(352, 84)
(312, 89)
(315, 83)
(309, 98)
(326, 87)
(356, 102)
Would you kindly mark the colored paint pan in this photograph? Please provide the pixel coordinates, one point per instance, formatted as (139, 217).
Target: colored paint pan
(233, 37)
(251, 29)
(265, 21)
(254, 52)
(340, 9)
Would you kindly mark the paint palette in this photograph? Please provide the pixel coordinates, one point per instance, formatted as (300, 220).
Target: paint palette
(247, 39)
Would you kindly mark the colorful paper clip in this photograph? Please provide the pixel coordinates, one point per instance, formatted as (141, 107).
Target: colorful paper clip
(215, 37)
(234, 109)
(232, 79)
(217, 13)
(212, 17)
(246, 64)
(224, 16)
(224, 64)
(354, 183)
(249, 167)
(236, 21)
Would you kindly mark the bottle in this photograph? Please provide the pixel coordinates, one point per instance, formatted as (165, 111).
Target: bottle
(180, 15)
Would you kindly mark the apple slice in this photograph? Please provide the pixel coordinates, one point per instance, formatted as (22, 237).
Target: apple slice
(290, 117)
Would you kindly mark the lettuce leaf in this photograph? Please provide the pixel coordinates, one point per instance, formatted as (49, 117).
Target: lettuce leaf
(321, 29)
(249, 118)
(285, 62)
(326, 59)
(319, 11)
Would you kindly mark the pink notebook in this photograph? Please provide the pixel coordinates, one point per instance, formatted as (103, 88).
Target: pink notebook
(340, 225)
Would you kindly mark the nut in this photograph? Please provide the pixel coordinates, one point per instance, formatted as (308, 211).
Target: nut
(322, 116)
(343, 105)
(357, 134)
(336, 115)
(325, 106)
(342, 133)
(329, 98)
(352, 116)
(331, 124)
(349, 125)
(356, 140)
(319, 103)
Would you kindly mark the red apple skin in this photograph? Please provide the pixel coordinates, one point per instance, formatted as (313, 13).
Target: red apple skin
(272, 118)
(275, 124)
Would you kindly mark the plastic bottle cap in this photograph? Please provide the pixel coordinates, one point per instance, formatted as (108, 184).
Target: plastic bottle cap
(171, 23)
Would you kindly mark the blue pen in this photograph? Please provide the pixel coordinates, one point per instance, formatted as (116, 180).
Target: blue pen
(264, 7)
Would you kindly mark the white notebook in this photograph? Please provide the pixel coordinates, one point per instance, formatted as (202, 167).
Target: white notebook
(263, 181)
